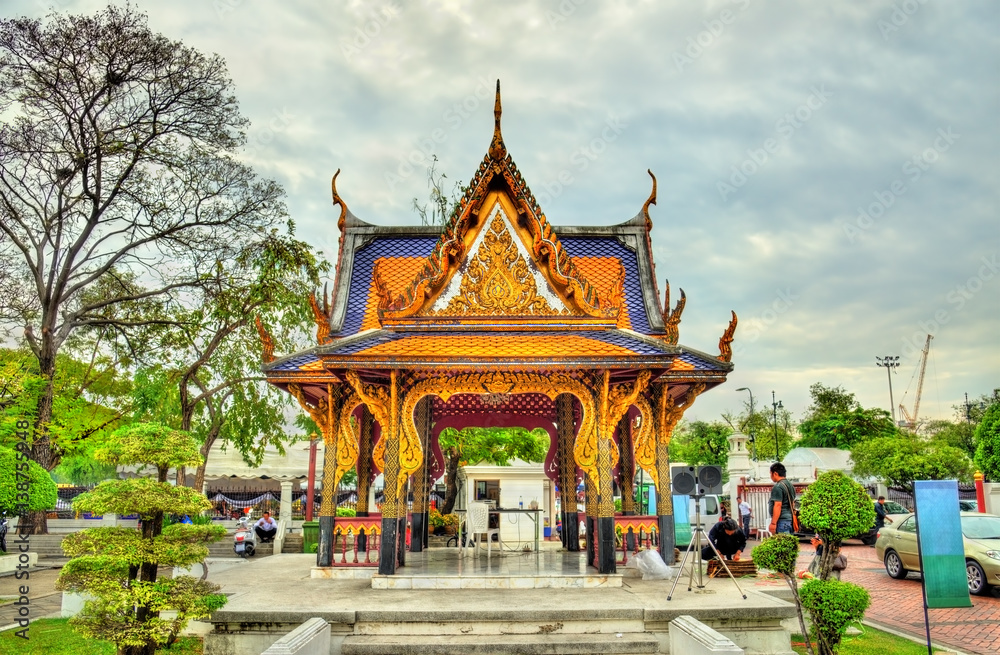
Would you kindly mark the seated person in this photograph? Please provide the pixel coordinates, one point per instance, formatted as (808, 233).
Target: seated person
(266, 528)
(729, 540)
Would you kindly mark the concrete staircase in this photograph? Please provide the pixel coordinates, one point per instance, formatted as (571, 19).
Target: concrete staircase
(46, 545)
(500, 630)
(224, 548)
(293, 543)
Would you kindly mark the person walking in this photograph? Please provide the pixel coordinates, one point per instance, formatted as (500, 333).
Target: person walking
(880, 515)
(782, 501)
(745, 512)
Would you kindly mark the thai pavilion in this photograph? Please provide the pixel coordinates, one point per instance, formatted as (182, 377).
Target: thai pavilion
(497, 318)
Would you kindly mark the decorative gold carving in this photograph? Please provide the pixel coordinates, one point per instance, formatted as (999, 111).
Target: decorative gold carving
(667, 415)
(403, 445)
(550, 257)
(337, 200)
(329, 414)
(328, 506)
(321, 315)
(672, 318)
(649, 201)
(497, 281)
(725, 347)
(267, 343)
(585, 448)
(645, 444)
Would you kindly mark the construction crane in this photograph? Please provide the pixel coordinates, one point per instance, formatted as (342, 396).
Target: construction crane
(909, 421)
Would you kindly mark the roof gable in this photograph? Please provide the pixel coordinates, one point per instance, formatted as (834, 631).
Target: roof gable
(499, 258)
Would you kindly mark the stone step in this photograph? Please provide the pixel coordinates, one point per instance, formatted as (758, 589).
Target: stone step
(483, 625)
(293, 544)
(628, 643)
(224, 548)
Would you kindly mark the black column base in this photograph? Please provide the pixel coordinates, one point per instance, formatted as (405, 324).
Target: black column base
(427, 523)
(606, 545)
(417, 533)
(387, 548)
(668, 539)
(324, 550)
(571, 531)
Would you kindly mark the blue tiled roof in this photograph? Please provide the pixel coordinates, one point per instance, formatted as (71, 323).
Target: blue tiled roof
(293, 363)
(612, 247)
(364, 263)
(699, 363)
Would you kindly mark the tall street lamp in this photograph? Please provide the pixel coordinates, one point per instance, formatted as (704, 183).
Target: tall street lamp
(750, 421)
(889, 362)
(775, 406)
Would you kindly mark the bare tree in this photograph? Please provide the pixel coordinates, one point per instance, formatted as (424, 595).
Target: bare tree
(118, 158)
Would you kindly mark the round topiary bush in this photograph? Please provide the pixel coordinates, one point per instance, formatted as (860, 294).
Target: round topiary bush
(837, 507)
(833, 606)
(36, 493)
(779, 553)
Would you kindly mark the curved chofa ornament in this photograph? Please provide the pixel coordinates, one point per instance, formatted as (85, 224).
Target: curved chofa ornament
(649, 201)
(498, 183)
(337, 200)
(672, 317)
(266, 342)
(725, 348)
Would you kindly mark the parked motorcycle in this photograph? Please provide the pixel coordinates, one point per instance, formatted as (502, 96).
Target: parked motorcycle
(3, 532)
(245, 539)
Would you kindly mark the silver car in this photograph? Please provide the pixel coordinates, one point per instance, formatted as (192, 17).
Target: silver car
(897, 548)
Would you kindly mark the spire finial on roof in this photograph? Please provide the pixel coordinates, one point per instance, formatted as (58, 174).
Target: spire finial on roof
(497, 148)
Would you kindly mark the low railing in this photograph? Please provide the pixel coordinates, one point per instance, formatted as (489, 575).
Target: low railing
(632, 533)
(356, 540)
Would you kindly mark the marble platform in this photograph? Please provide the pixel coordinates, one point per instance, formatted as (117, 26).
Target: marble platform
(273, 596)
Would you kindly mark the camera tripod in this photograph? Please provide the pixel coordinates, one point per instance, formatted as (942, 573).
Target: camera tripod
(696, 562)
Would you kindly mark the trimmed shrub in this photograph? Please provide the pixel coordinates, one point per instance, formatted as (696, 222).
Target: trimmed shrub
(833, 606)
(779, 553)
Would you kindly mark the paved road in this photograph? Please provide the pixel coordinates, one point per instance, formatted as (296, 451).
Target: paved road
(898, 604)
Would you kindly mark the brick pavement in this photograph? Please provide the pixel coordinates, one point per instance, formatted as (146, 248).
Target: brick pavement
(898, 604)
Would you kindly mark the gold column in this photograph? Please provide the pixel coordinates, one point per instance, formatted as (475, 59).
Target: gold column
(364, 467)
(626, 465)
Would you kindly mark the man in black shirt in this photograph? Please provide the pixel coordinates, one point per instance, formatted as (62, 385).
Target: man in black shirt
(728, 539)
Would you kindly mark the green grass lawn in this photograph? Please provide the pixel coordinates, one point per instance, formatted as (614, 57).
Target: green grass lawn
(872, 642)
(56, 637)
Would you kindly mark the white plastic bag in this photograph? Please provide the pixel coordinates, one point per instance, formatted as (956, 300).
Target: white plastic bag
(652, 566)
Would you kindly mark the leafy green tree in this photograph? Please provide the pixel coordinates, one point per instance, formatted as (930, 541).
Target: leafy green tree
(25, 477)
(830, 401)
(988, 443)
(780, 553)
(701, 443)
(211, 353)
(833, 606)
(958, 434)
(117, 567)
(898, 461)
(837, 508)
(767, 441)
(497, 446)
(843, 430)
(118, 164)
(84, 409)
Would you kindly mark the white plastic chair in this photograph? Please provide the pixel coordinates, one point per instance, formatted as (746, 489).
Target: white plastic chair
(479, 523)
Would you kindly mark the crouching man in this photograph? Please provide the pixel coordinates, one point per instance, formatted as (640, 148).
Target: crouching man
(728, 539)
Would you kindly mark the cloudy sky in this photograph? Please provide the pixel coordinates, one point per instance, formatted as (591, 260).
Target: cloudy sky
(827, 170)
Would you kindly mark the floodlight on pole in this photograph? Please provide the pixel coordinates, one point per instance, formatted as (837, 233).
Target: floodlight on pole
(889, 362)
(775, 406)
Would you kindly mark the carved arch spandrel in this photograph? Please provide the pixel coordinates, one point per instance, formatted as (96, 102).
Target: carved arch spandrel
(645, 443)
(620, 398)
(384, 405)
(585, 449)
(348, 438)
(332, 415)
